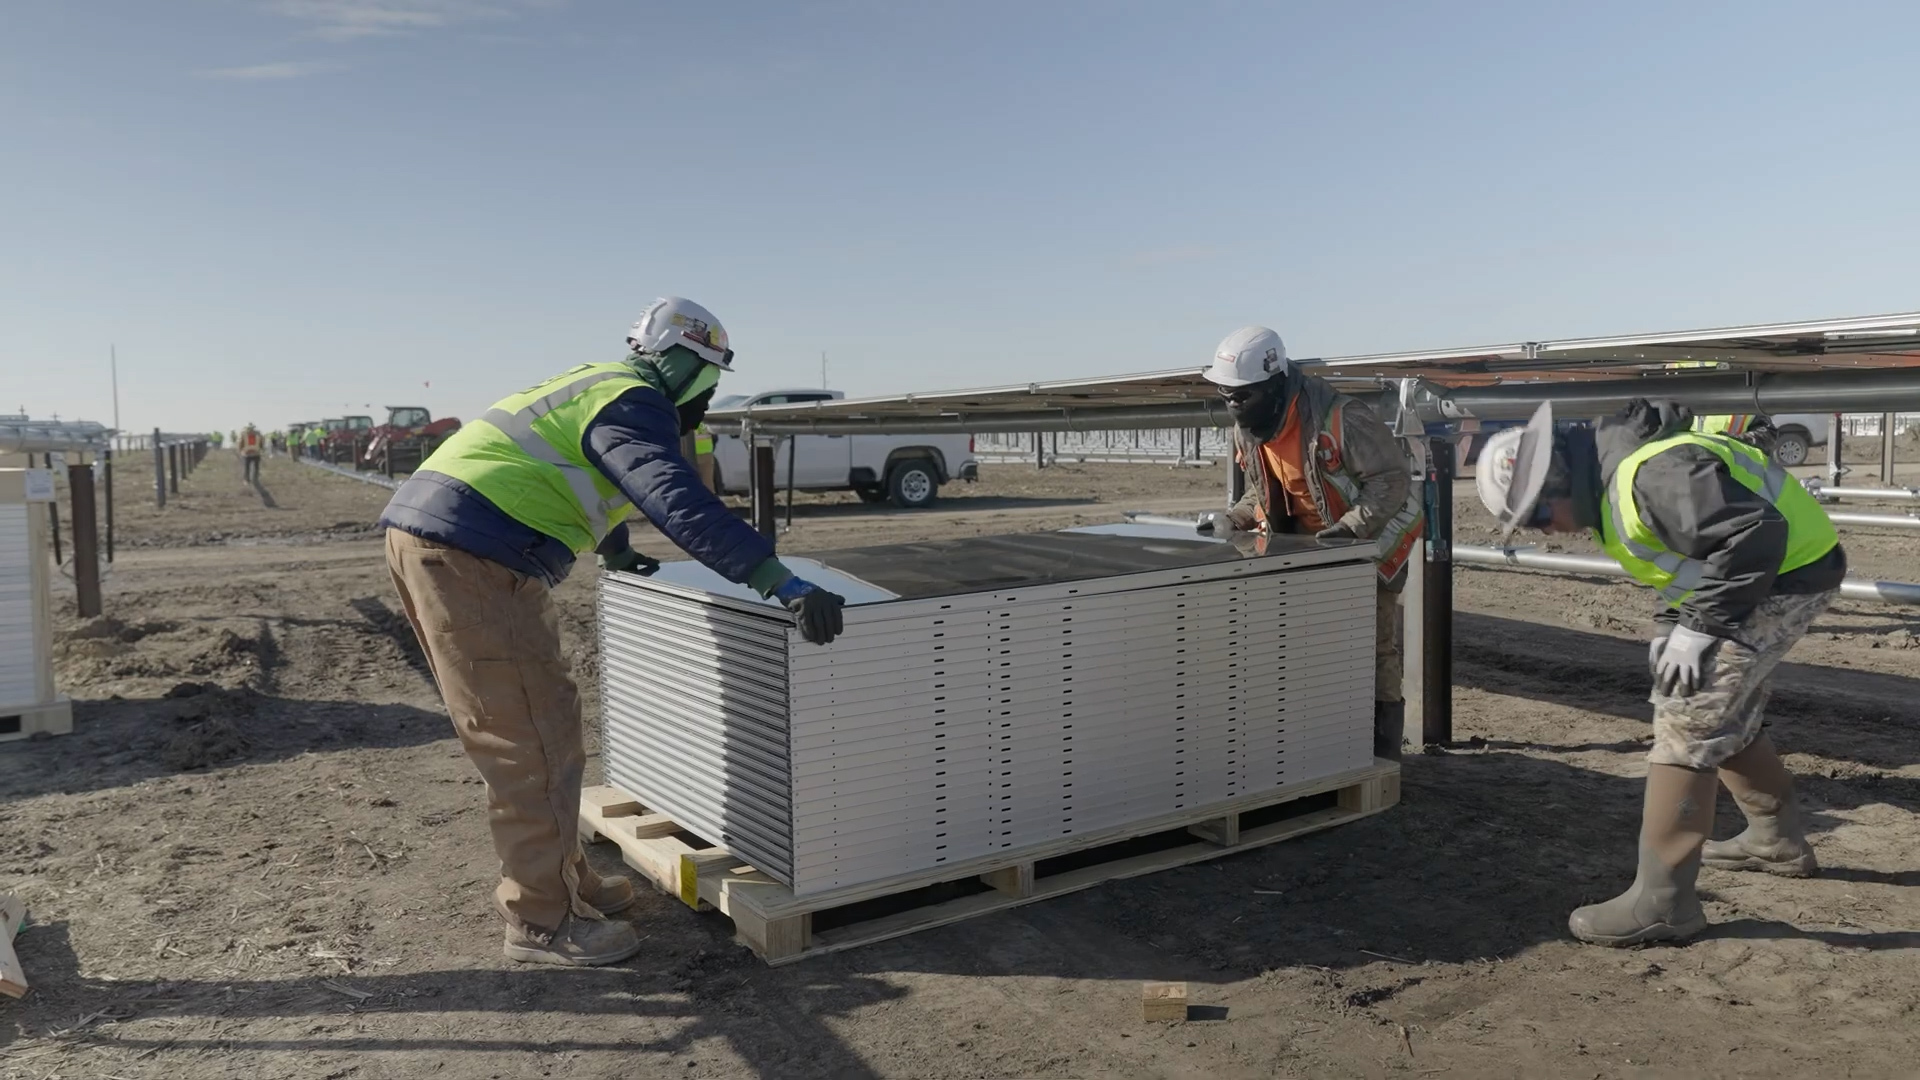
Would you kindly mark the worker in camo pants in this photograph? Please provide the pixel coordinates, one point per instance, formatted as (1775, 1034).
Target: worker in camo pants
(1744, 560)
(1320, 462)
(491, 522)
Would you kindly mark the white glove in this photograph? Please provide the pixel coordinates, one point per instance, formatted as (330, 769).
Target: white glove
(1216, 523)
(1654, 648)
(1682, 666)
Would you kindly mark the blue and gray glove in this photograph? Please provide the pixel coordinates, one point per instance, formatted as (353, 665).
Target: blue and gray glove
(1680, 667)
(815, 610)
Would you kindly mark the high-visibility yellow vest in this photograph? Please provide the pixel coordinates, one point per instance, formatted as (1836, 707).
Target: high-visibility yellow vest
(1727, 424)
(1626, 536)
(524, 455)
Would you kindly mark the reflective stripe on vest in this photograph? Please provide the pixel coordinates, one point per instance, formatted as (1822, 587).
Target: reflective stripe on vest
(518, 426)
(1810, 535)
(524, 455)
(1729, 424)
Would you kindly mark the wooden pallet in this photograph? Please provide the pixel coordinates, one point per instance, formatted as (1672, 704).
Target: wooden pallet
(24, 722)
(780, 927)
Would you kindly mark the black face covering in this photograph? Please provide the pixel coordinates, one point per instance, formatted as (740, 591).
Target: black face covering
(1259, 407)
(693, 412)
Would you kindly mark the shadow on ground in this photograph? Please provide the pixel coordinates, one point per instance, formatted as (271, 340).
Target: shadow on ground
(1840, 713)
(779, 1030)
(120, 742)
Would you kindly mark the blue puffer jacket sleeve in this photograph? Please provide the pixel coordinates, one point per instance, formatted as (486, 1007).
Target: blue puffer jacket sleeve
(635, 442)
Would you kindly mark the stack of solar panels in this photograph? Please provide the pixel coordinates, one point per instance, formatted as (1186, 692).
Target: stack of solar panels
(990, 695)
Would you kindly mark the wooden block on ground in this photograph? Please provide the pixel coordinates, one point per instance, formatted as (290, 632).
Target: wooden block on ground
(1223, 831)
(1013, 880)
(1163, 1001)
(13, 978)
(608, 802)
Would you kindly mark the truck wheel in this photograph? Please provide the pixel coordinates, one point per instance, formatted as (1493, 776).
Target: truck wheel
(1790, 447)
(913, 485)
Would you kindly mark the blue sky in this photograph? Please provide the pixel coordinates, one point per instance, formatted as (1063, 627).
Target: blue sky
(277, 209)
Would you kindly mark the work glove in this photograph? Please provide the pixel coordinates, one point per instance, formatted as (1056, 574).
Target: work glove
(1654, 648)
(1683, 664)
(1339, 530)
(815, 610)
(1216, 523)
(627, 560)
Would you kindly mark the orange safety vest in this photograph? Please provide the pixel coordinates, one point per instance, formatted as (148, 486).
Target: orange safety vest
(1287, 483)
(1319, 494)
(250, 442)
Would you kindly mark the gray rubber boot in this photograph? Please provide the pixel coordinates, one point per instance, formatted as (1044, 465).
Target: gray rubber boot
(1661, 905)
(1775, 839)
(1389, 728)
(577, 943)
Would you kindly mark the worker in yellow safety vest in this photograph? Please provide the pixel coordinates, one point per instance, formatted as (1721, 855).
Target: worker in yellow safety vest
(703, 455)
(492, 521)
(1744, 560)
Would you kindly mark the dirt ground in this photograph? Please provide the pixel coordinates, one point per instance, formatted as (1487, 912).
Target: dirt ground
(261, 854)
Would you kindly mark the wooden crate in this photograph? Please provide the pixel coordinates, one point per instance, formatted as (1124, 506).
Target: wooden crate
(779, 926)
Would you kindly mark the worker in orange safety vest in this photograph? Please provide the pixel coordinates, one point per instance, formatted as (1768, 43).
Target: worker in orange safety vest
(250, 454)
(1319, 462)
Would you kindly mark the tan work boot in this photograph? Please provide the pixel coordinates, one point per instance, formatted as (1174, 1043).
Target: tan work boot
(1661, 904)
(1775, 839)
(607, 894)
(577, 943)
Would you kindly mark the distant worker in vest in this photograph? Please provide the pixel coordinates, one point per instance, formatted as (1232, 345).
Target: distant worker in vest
(703, 455)
(1321, 463)
(310, 439)
(1744, 560)
(493, 519)
(250, 450)
(214, 437)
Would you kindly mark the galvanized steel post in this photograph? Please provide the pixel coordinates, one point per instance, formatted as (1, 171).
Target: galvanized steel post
(106, 478)
(86, 539)
(1834, 437)
(762, 490)
(1436, 630)
(159, 471)
(1886, 449)
(53, 509)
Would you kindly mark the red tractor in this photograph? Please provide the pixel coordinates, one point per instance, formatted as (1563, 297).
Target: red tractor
(404, 441)
(345, 438)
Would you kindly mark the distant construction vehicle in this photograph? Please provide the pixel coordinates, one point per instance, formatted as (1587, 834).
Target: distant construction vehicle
(404, 441)
(346, 439)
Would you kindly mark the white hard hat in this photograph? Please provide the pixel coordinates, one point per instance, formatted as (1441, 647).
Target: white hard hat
(1249, 355)
(1513, 468)
(673, 320)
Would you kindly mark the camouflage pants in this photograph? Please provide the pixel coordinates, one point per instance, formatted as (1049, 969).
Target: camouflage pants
(1724, 716)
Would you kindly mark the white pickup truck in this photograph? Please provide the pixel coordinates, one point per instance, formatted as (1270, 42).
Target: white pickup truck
(908, 469)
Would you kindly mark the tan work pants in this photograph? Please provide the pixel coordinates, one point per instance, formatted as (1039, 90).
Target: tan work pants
(493, 641)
